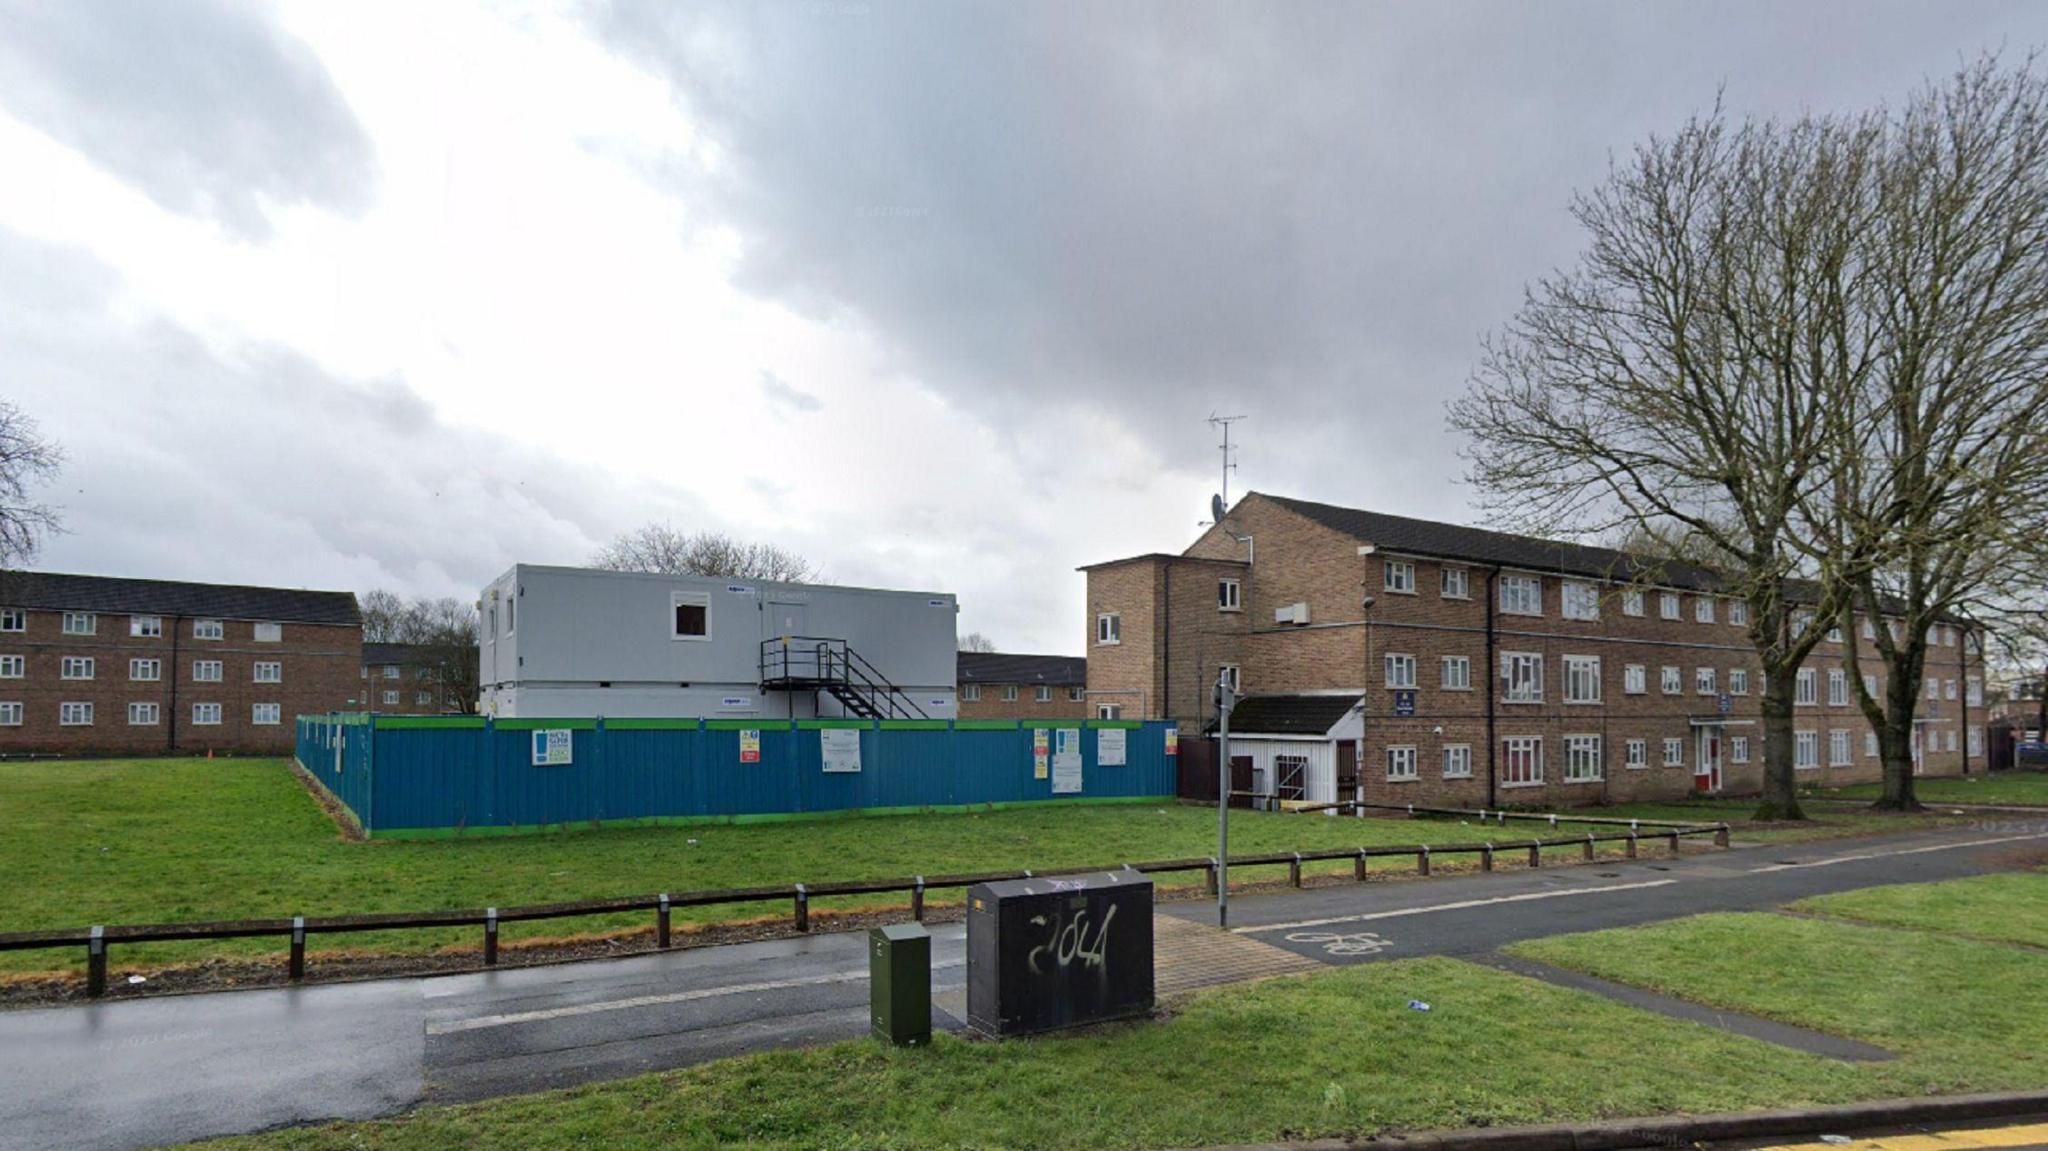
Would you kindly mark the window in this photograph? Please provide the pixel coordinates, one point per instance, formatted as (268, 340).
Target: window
(970, 693)
(1636, 754)
(391, 671)
(1870, 686)
(1738, 749)
(13, 619)
(1667, 604)
(1869, 629)
(1703, 609)
(1581, 680)
(146, 626)
(1109, 711)
(265, 714)
(1933, 689)
(1738, 681)
(390, 699)
(1400, 670)
(206, 671)
(692, 611)
(1521, 761)
(1975, 690)
(143, 714)
(269, 671)
(1228, 673)
(1521, 676)
(1579, 600)
(1458, 761)
(1077, 694)
(80, 623)
(10, 714)
(1838, 747)
(1582, 759)
(1703, 681)
(1400, 763)
(77, 667)
(1948, 689)
(1632, 602)
(1838, 687)
(1109, 628)
(274, 632)
(1399, 576)
(1870, 744)
(74, 715)
(423, 698)
(1835, 634)
(1806, 689)
(1009, 693)
(13, 666)
(1521, 595)
(147, 670)
(205, 715)
(1949, 739)
(1457, 583)
(1670, 681)
(1976, 741)
(1228, 593)
(1738, 613)
(1674, 752)
(1805, 750)
(1042, 695)
(208, 629)
(1457, 673)
(511, 614)
(1634, 681)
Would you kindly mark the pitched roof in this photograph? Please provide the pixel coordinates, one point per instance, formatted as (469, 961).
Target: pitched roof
(1478, 545)
(378, 654)
(1002, 667)
(1290, 714)
(1155, 557)
(50, 591)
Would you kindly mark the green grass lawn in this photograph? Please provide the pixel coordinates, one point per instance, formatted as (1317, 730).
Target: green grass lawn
(1329, 1054)
(1823, 821)
(147, 841)
(1963, 1014)
(2025, 788)
(2011, 907)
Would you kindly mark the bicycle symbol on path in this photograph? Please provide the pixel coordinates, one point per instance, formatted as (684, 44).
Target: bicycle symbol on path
(1351, 943)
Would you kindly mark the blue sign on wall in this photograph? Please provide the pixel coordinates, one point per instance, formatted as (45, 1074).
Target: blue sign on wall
(1404, 702)
(1726, 704)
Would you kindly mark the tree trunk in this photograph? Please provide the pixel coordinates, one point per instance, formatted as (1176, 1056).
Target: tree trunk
(1895, 744)
(1781, 790)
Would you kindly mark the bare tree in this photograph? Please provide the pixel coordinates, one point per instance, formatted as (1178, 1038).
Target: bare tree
(1678, 380)
(26, 461)
(383, 616)
(975, 641)
(662, 548)
(1941, 470)
(442, 634)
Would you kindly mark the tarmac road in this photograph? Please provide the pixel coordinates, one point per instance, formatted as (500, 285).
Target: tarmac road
(147, 1072)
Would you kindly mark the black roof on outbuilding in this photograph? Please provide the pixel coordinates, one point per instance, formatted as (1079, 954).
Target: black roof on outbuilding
(1289, 714)
(1003, 667)
(51, 591)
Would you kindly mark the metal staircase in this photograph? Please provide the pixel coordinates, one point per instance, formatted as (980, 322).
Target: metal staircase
(823, 665)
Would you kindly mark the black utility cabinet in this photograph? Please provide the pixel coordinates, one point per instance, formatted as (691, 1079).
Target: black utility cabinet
(900, 983)
(1061, 951)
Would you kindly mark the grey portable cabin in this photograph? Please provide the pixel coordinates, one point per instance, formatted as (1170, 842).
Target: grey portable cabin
(560, 641)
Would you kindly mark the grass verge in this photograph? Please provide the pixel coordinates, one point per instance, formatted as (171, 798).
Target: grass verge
(2018, 788)
(2010, 907)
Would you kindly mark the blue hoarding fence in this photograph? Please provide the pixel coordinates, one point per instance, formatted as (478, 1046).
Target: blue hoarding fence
(402, 775)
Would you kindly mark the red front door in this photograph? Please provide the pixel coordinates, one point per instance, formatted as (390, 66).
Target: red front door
(1706, 771)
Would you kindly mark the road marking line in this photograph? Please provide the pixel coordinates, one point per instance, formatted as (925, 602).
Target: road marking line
(2029, 1135)
(478, 1023)
(1458, 906)
(1889, 854)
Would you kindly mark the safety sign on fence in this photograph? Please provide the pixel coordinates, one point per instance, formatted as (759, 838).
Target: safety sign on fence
(1066, 761)
(1040, 750)
(750, 745)
(1109, 746)
(840, 748)
(553, 747)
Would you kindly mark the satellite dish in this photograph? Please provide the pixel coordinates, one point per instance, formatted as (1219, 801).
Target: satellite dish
(1216, 509)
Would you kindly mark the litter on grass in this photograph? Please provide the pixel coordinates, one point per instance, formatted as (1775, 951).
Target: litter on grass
(1417, 1005)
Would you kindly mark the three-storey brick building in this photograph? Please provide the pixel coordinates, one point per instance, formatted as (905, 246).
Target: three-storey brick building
(1484, 668)
(92, 665)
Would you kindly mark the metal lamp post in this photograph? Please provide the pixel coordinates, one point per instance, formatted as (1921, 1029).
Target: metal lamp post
(1226, 698)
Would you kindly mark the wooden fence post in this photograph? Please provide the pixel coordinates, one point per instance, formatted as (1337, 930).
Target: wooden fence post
(1209, 874)
(298, 960)
(661, 922)
(1589, 847)
(1358, 871)
(803, 908)
(1535, 855)
(1486, 857)
(1422, 860)
(1294, 870)
(96, 963)
(1631, 844)
(1674, 845)
(917, 900)
(490, 937)
(1721, 836)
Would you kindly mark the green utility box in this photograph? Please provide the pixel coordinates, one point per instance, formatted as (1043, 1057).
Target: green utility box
(900, 983)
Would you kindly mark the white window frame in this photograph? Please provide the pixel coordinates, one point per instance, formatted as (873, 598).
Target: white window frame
(1457, 761)
(970, 693)
(682, 599)
(1870, 686)
(145, 626)
(209, 629)
(1109, 711)
(1579, 600)
(1527, 595)
(1674, 751)
(1838, 748)
(145, 670)
(1667, 605)
(390, 699)
(1454, 673)
(1041, 694)
(13, 619)
(1400, 670)
(392, 671)
(1738, 613)
(1455, 583)
(1948, 690)
(1869, 628)
(1738, 749)
(1870, 745)
(1521, 669)
(1703, 609)
(1838, 687)
(271, 632)
(1705, 681)
(206, 715)
(1806, 750)
(1671, 680)
(11, 713)
(1976, 742)
(81, 623)
(1738, 681)
(1077, 695)
(423, 699)
(1401, 763)
(78, 667)
(208, 671)
(257, 712)
(1517, 744)
(1632, 602)
(1636, 754)
(1229, 595)
(1806, 688)
(1635, 679)
(1397, 577)
(1584, 759)
(276, 671)
(75, 713)
(1949, 739)
(13, 667)
(1582, 672)
(144, 713)
(1009, 693)
(1109, 628)
(1974, 693)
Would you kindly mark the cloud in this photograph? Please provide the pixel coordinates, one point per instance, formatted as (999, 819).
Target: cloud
(785, 395)
(207, 106)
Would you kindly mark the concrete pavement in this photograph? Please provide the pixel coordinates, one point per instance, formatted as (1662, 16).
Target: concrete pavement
(152, 1071)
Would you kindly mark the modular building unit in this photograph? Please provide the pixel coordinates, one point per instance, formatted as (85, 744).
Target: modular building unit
(560, 641)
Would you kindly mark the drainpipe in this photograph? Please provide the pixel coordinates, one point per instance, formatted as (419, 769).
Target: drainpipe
(1492, 674)
(1166, 656)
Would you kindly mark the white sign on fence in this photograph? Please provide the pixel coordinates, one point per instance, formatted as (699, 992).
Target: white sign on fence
(840, 747)
(1109, 746)
(553, 747)
(1066, 760)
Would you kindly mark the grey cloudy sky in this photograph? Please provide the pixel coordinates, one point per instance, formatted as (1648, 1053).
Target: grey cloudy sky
(939, 294)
